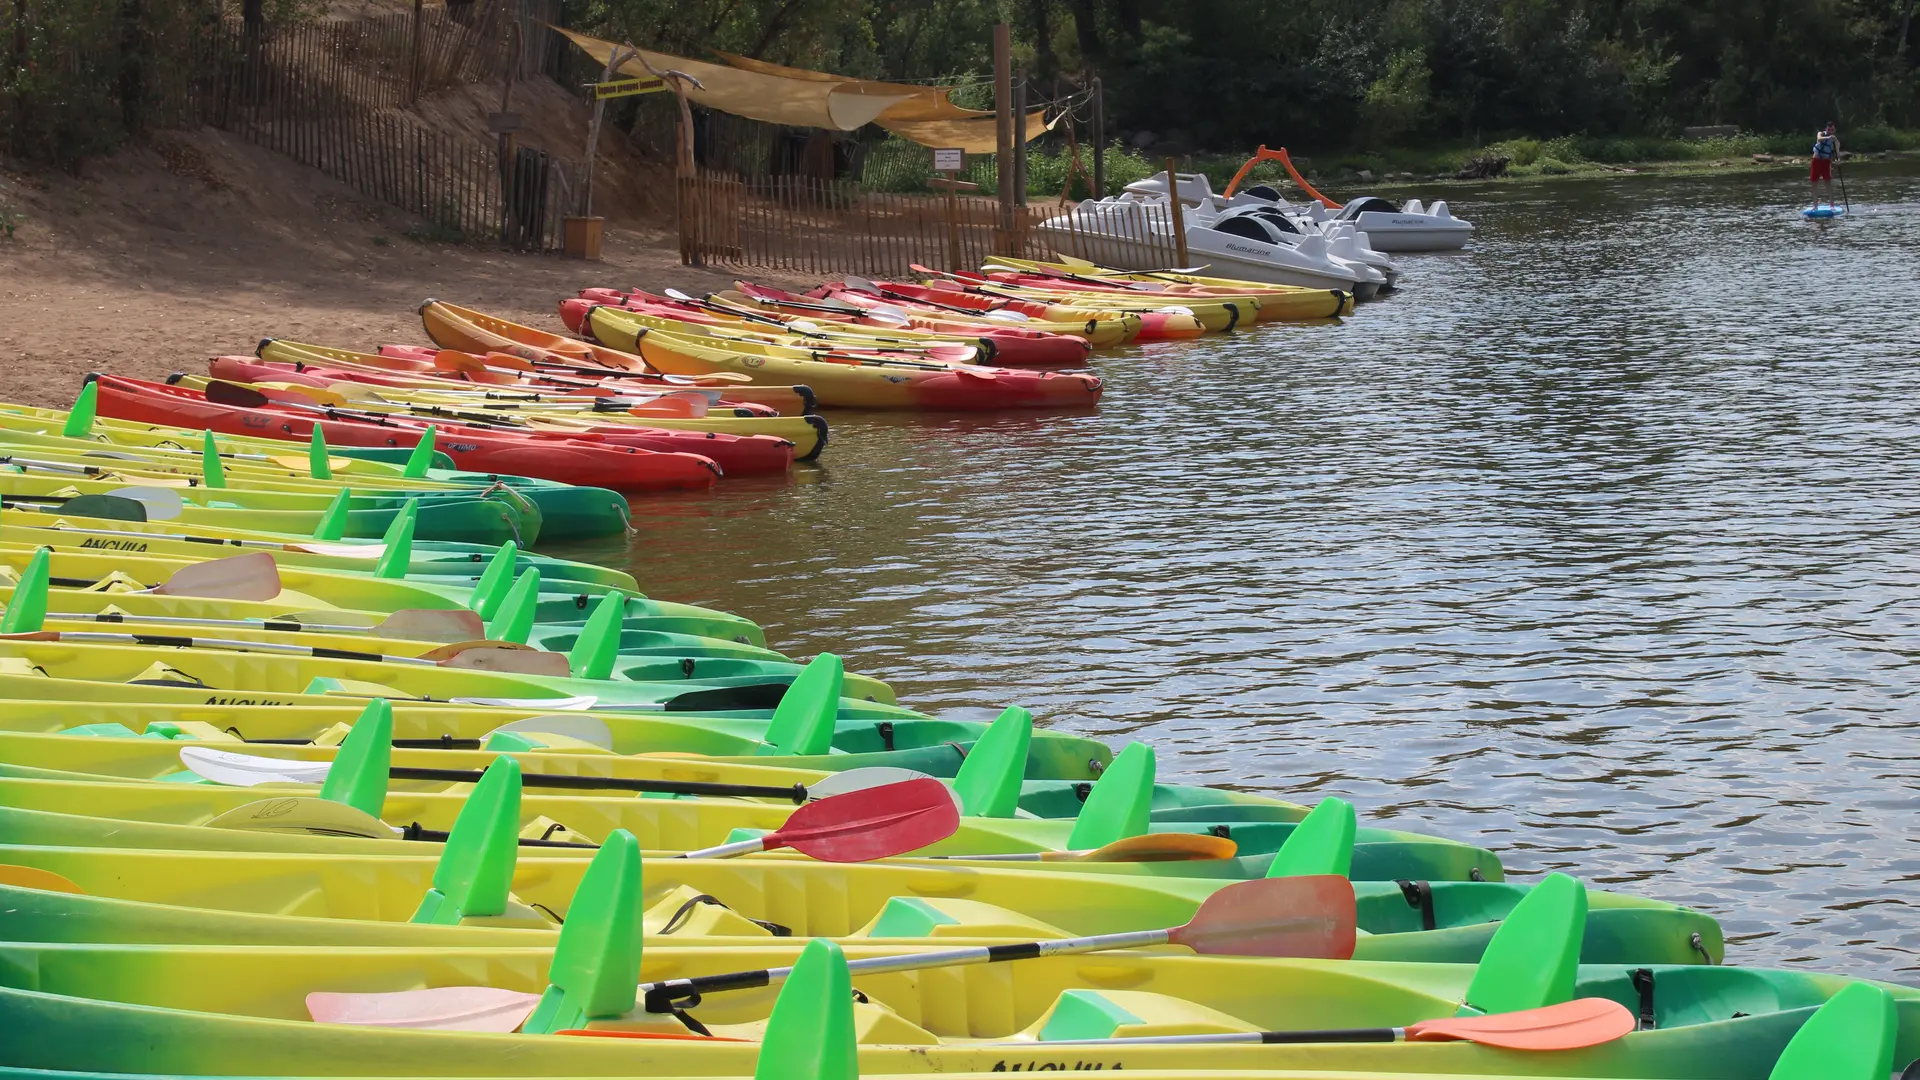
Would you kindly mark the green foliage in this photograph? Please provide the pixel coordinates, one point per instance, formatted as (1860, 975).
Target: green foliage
(9, 218)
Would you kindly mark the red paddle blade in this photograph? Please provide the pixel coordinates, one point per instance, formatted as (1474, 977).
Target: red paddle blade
(873, 824)
(1570, 1025)
(1289, 916)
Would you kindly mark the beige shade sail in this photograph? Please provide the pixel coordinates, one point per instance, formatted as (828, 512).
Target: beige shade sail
(976, 135)
(837, 105)
(928, 117)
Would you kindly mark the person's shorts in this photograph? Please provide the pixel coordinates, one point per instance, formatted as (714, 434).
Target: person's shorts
(1821, 169)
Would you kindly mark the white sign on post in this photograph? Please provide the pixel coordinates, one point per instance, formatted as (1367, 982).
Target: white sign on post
(951, 161)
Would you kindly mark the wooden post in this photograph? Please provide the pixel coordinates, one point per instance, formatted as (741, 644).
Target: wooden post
(1003, 129)
(1020, 141)
(413, 78)
(1179, 215)
(512, 228)
(1099, 141)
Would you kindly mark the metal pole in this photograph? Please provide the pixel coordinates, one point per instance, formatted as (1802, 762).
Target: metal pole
(1099, 141)
(1003, 126)
(1179, 215)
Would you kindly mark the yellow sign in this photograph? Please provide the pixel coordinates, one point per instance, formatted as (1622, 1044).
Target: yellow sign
(626, 88)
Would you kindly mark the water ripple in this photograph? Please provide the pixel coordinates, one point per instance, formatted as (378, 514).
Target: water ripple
(1596, 547)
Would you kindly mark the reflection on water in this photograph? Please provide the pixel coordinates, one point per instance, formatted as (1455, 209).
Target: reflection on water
(1597, 546)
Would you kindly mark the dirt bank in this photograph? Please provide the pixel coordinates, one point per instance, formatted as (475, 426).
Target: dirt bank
(200, 244)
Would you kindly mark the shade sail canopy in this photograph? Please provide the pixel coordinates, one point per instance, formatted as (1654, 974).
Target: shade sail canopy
(837, 105)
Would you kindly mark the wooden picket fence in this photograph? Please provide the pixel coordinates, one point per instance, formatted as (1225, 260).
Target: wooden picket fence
(813, 226)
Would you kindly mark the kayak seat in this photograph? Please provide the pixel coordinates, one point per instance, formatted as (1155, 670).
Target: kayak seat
(545, 828)
(1120, 1014)
(1685, 996)
(517, 915)
(872, 1023)
(684, 911)
(938, 917)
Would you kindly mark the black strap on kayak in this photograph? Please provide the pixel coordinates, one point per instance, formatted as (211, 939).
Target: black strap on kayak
(1081, 790)
(686, 909)
(1419, 894)
(885, 728)
(1700, 947)
(686, 667)
(1474, 874)
(1643, 982)
(1912, 1071)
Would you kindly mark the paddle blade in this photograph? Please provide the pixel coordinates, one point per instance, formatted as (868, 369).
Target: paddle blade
(1851, 1037)
(440, 1008)
(861, 780)
(1570, 1025)
(242, 577)
(247, 770)
(1296, 916)
(160, 504)
(319, 817)
(1163, 847)
(107, 507)
(32, 877)
(500, 656)
(427, 624)
(875, 824)
(1531, 961)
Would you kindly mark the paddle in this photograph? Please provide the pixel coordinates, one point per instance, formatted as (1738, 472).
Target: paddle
(1570, 1025)
(1148, 847)
(249, 770)
(1310, 917)
(408, 624)
(574, 726)
(482, 655)
(875, 824)
(238, 577)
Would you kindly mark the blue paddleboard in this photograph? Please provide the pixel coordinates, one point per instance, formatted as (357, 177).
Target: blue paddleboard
(1824, 210)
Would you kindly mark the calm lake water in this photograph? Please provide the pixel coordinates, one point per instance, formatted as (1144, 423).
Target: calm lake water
(1599, 545)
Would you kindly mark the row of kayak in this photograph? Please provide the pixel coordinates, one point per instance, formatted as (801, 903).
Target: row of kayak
(309, 765)
(656, 392)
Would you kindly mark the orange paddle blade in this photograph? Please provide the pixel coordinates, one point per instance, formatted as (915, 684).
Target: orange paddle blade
(1164, 847)
(1570, 1025)
(32, 877)
(1289, 916)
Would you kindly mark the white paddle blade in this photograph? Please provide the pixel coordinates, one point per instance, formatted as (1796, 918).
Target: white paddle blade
(860, 780)
(440, 1008)
(163, 504)
(248, 770)
(241, 577)
(369, 552)
(586, 729)
(558, 704)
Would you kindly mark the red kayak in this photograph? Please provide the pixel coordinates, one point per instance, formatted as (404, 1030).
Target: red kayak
(474, 449)
(737, 455)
